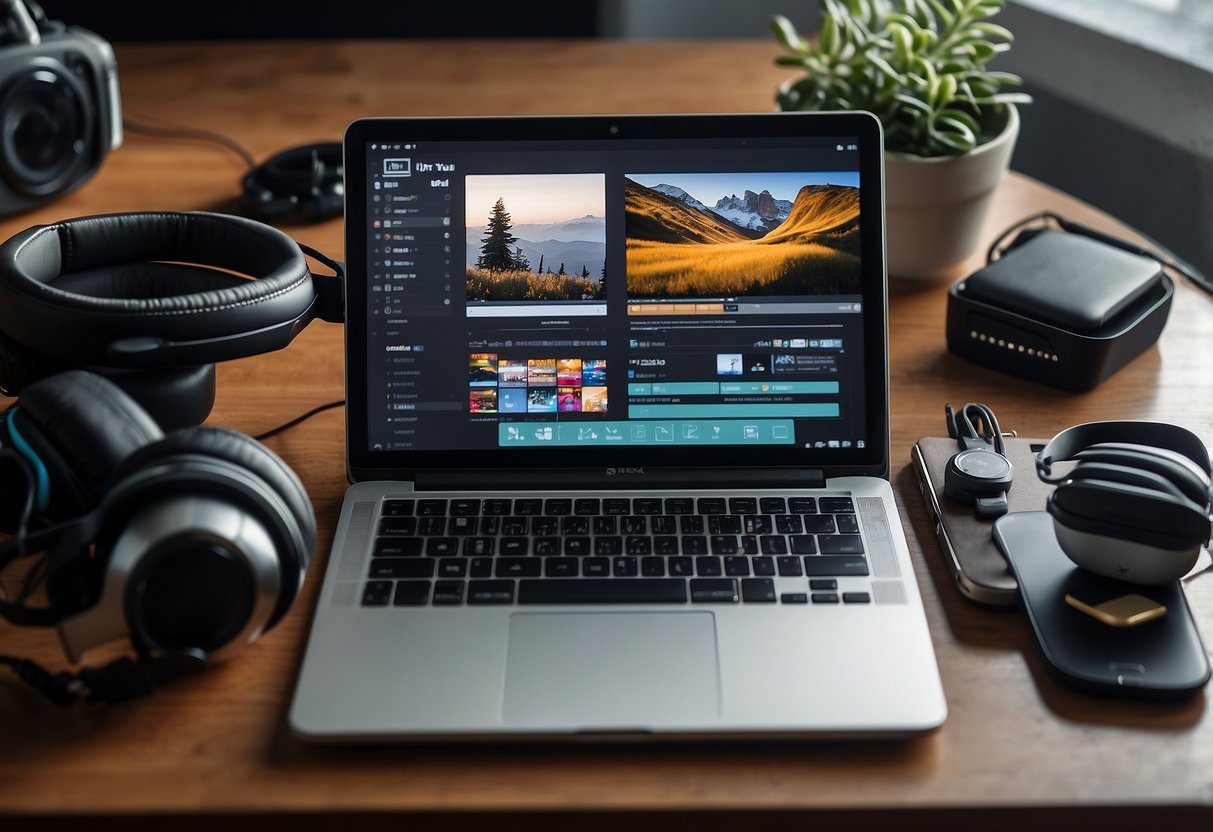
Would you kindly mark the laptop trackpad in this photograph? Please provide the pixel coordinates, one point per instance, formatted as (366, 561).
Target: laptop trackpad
(617, 671)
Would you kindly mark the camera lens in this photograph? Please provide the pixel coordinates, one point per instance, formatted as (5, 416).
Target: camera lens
(45, 131)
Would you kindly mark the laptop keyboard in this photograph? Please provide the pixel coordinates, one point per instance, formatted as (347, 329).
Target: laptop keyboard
(613, 550)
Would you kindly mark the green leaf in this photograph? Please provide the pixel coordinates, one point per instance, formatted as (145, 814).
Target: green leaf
(828, 38)
(786, 34)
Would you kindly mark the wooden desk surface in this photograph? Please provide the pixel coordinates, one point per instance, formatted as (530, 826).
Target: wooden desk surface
(1016, 742)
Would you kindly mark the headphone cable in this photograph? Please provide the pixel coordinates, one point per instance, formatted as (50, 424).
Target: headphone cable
(293, 422)
(190, 134)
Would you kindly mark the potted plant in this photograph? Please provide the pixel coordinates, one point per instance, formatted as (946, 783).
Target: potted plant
(949, 126)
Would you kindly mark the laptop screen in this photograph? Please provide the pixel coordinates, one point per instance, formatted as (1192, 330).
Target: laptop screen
(621, 291)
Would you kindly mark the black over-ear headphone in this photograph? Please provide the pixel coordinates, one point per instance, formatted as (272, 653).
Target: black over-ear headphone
(152, 300)
(306, 182)
(980, 472)
(191, 544)
(1137, 504)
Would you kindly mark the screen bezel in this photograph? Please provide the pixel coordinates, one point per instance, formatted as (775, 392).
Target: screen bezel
(365, 464)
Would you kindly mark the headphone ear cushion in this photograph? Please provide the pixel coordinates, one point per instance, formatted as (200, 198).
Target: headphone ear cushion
(294, 533)
(83, 427)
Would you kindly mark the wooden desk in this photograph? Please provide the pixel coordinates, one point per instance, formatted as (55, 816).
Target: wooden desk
(1017, 749)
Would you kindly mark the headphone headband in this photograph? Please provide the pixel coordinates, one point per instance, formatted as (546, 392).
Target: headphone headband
(1067, 444)
(154, 289)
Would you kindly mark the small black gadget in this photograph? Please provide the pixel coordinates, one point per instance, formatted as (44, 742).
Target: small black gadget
(191, 544)
(305, 183)
(1160, 658)
(1065, 305)
(1136, 506)
(59, 105)
(152, 300)
(980, 472)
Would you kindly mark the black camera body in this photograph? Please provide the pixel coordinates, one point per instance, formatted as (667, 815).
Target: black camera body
(59, 106)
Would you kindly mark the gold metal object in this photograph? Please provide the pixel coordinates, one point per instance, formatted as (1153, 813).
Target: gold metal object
(1125, 611)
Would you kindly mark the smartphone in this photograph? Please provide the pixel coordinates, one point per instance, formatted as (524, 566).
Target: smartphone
(979, 570)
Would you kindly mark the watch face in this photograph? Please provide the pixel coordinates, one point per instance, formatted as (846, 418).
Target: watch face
(982, 464)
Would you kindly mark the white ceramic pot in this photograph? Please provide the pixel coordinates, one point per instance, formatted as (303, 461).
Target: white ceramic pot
(936, 206)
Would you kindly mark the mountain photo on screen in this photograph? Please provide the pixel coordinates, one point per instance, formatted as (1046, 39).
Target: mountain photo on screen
(729, 235)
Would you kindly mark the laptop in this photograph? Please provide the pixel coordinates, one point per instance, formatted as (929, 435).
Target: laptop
(618, 438)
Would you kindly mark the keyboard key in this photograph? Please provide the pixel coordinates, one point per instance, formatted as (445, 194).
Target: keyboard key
(665, 524)
(491, 592)
(448, 593)
(794, 598)
(608, 546)
(577, 546)
(789, 524)
(561, 567)
(681, 566)
(558, 506)
(823, 584)
(772, 505)
(547, 546)
(397, 508)
(758, 590)
(712, 505)
(478, 546)
(803, 544)
(441, 547)
(825, 565)
(756, 524)
(463, 525)
(450, 567)
(377, 593)
(625, 567)
(603, 591)
(652, 567)
(398, 547)
(547, 526)
(574, 525)
(397, 526)
(679, 505)
(743, 505)
(847, 523)
(518, 567)
(587, 506)
(515, 526)
(665, 545)
(433, 525)
(690, 524)
(646, 505)
(431, 508)
(634, 525)
(616, 506)
(402, 568)
(724, 544)
(512, 547)
(596, 567)
(694, 545)
(528, 507)
(497, 507)
(825, 597)
(708, 566)
(773, 544)
(411, 593)
(836, 505)
(802, 505)
(789, 566)
(481, 567)
(639, 545)
(465, 507)
(856, 598)
(714, 591)
(737, 565)
(840, 544)
(763, 566)
(819, 524)
(605, 525)
(724, 524)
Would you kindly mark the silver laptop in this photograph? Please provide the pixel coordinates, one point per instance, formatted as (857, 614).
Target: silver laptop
(618, 433)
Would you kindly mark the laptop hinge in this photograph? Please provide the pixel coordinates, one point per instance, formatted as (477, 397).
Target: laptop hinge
(630, 478)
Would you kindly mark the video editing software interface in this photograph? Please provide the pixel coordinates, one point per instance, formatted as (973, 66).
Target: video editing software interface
(623, 292)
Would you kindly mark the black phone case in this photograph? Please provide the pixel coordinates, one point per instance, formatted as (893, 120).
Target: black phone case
(1160, 658)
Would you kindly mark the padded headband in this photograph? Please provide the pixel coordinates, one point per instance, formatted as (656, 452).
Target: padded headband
(160, 289)
(1184, 447)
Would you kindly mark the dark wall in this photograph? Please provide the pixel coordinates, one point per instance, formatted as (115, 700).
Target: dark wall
(133, 20)
(1162, 191)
